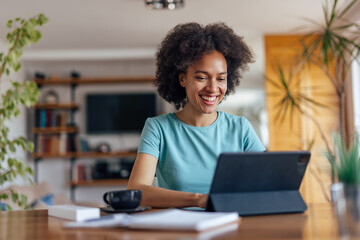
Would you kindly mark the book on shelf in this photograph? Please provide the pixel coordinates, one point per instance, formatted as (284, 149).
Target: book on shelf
(81, 145)
(57, 143)
(60, 143)
(51, 118)
(169, 219)
(82, 172)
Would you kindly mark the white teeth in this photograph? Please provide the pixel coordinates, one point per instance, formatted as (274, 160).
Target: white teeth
(210, 99)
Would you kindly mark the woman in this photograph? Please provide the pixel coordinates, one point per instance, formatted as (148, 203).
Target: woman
(197, 66)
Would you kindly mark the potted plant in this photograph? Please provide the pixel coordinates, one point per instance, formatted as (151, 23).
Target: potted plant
(346, 193)
(332, 46)
(346, 162)
(23, 32)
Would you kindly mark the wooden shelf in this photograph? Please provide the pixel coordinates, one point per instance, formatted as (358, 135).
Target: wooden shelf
(107, 80)
(86, 155)
(56, 106)
(51, 155)
(102, 182)
(55, 130)
(105, 155)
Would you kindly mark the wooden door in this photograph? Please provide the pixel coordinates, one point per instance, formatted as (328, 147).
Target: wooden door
(297, 131)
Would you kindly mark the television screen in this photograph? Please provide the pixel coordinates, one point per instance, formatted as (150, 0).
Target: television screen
(121, 112)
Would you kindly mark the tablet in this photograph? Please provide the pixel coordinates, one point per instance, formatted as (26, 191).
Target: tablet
(257, 183)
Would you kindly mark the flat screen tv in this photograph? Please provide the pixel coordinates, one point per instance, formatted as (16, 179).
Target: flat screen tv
(118, 113)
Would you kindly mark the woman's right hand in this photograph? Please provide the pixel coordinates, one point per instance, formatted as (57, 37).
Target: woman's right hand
(202, 201)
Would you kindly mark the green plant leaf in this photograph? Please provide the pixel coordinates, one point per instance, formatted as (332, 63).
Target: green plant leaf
(3, 196)
(10, 162)
(12, 148)
(346, 9)
(30, 146)
(9, 24)
(22, 33)
(346, 161)
(14, 196)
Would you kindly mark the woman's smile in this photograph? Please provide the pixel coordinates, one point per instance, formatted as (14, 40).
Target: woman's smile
(209, 99)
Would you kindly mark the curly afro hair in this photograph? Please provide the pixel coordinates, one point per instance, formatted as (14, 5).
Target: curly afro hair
(186, 44)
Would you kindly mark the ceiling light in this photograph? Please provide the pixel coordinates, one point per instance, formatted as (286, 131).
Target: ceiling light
(164, 4)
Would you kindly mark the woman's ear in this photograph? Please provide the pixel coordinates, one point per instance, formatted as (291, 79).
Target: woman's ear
(182, 79)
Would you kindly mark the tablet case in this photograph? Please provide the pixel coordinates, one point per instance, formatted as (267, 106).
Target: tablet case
(258, 183)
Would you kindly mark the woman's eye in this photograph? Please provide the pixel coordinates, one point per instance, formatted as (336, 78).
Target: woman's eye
(222, 79)
(200, 78)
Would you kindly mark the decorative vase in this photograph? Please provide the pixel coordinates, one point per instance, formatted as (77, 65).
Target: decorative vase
(352, 199)
(346, 202)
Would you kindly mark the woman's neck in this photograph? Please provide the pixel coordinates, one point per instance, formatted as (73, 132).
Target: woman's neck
(195, 118)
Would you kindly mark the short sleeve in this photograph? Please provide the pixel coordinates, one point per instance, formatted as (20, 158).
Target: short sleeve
(150, 138)
(251, 141)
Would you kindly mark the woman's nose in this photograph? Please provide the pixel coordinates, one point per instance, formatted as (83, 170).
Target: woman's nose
(212, 86)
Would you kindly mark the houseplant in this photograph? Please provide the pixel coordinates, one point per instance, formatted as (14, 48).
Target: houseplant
(338, 41)
(22, 33)
(346, 193)
(331, 46)
(346, 161)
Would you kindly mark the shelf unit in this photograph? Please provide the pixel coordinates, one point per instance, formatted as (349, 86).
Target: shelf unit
(87, 155)
(72, 106)
(77, 81)
(50, 130)
(102, 182)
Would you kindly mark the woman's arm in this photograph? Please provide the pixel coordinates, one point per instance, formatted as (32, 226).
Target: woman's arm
(142, 177)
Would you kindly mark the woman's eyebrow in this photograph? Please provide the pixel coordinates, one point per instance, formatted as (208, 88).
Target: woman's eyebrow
(200, 71)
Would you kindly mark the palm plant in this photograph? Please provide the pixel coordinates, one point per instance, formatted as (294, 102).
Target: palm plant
(332, 46)
(22, 33)
(293, 98)
(346, 161)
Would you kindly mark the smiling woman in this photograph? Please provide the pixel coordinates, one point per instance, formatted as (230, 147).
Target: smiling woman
(197, 66)
(205, 85)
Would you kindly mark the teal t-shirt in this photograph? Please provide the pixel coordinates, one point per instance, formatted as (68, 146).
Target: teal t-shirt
(187, 155)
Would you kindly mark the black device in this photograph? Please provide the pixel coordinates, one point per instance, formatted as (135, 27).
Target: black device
(101, 170)
(120, 112)
(257, 183)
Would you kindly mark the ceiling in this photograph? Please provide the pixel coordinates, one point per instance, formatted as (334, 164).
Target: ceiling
(127, 24)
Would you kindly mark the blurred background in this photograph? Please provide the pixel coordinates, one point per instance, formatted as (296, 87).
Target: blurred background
(118, 39)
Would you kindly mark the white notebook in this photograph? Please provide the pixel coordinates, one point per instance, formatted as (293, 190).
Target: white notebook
(170, 219)
(73, 212)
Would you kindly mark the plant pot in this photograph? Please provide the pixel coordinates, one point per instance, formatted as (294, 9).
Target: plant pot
(346, 202)
(352, 199)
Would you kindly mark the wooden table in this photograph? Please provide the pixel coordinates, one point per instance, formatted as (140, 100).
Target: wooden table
(318, 222)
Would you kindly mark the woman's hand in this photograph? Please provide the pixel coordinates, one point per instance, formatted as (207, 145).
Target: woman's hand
(202, 200)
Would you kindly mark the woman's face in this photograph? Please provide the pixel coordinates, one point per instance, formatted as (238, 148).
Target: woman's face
(205, 82)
